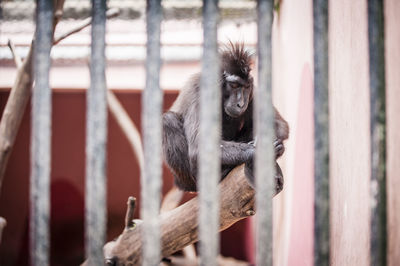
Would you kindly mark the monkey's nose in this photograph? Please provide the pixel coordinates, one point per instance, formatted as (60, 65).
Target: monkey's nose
(240, 105)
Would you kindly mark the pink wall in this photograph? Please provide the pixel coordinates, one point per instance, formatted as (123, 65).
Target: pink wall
(293, 94)
(349, 129)
(392, 50)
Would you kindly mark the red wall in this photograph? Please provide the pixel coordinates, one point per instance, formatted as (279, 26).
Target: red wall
(67, 181)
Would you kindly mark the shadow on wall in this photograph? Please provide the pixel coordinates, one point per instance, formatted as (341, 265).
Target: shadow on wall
(67, 226)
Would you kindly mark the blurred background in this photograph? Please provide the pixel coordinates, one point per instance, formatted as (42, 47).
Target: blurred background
(181, 38)
(181, 51)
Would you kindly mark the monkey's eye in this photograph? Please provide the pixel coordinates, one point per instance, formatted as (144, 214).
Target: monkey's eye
(234, 85)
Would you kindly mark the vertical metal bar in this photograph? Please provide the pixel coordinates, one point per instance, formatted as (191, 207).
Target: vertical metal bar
(264, 160)
(41, 136)
(209, 138)
(96, 137)
(378, 132)
(151, 181)
(321, 134)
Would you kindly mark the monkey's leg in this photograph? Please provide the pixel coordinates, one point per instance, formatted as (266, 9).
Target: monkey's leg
(225, 170)
(278, 176)
(175, 148)
(279, 148)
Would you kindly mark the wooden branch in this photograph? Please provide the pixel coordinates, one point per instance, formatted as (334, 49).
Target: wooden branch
(17, 101)
(58, 12)
(171, 199)
(111, 13)
(131, 205)
(189, 252)
(179, 226)
(128, 127)
(3, 224)
(14, 110)
(17, 58)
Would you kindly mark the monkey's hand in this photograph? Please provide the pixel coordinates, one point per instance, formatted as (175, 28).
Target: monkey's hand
(235, 153)
(253, 142)
(278, 146)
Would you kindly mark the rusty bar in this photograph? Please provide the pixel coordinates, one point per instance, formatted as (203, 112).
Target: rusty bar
(41, 137)
(152, 99)
(264, 160)
(321, 134)
(209, 138)
(378, 244)
(96, 138)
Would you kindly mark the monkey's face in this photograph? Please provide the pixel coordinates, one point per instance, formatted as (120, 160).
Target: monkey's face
(237, 93)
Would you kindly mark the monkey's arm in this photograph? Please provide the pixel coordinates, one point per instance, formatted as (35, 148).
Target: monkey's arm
(242, 150)
(235, 153)
(232, 152)
(191, 128)
(281, 127)
(175, 150)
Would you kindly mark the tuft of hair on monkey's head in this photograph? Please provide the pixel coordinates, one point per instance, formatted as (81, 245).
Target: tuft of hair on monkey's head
(236, 60)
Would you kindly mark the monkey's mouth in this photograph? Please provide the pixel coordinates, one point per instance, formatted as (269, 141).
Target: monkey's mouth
(234, 112)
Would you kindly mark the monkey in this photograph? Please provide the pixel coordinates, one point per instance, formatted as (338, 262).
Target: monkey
(181, 123)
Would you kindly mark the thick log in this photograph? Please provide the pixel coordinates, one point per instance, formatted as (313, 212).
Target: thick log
(179, 227)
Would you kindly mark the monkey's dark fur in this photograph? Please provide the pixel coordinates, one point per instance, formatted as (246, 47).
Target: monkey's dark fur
(181, 122)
